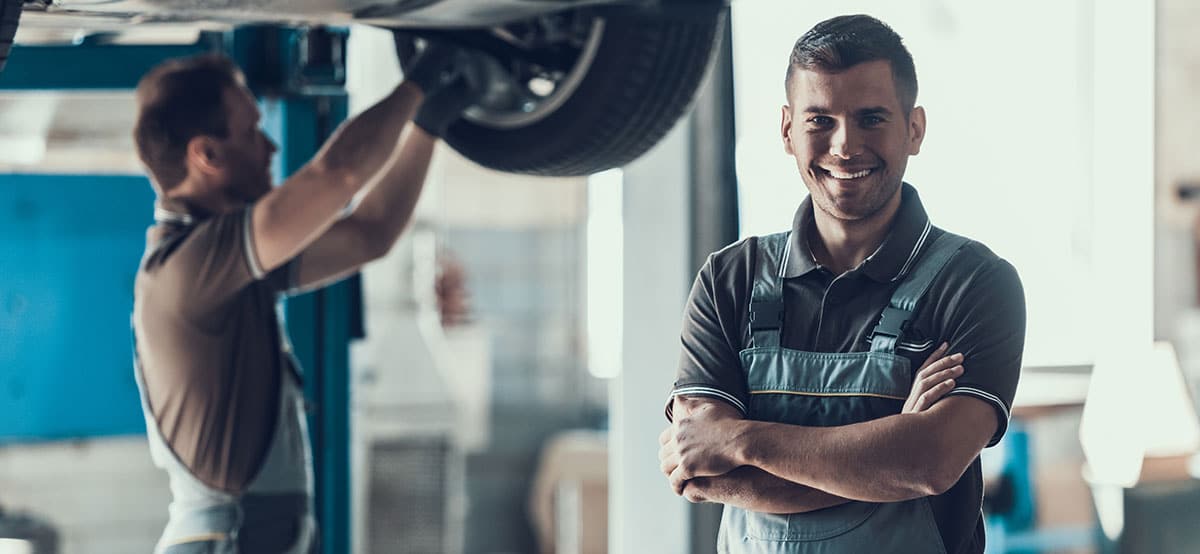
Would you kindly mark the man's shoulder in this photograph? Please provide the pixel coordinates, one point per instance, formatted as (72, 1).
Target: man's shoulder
(202, 265)
(205, 241)
(976, 264)
(975, 253)
(162, 244)
(738, 256)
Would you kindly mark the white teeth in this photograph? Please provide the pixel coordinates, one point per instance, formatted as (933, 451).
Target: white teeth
(841, 175)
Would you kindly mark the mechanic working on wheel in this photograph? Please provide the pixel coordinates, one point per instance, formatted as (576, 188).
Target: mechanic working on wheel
(220, 389)
(790, 404)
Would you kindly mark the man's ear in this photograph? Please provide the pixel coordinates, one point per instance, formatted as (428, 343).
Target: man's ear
(203, 154)
(785, 129)
(916, 130)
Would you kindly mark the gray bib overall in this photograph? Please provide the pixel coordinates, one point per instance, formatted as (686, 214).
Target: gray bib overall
(822, 389)
(276, 503)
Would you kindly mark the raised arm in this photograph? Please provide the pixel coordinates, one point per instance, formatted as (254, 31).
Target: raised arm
(292, 216)
(386, 209)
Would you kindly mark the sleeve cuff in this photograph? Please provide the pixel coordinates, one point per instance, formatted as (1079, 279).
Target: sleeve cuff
(248, 245)
(291, 285)
(1002, 411)
(702, 390)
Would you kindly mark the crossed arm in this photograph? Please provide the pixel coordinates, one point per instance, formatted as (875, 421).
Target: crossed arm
(746, 487)
(711, 454)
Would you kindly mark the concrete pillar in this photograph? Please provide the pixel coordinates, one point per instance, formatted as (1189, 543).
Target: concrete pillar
(644, 515)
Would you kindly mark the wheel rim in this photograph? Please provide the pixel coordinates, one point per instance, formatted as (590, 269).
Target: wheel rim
(523, 93)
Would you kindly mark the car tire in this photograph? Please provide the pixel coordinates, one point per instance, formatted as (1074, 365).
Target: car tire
(642, 78)
(10, 16)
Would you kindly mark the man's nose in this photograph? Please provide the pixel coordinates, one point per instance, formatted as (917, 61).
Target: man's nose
(846, 142)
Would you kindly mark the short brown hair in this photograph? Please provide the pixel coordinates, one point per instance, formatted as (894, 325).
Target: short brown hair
(842, 42)
(177, 101)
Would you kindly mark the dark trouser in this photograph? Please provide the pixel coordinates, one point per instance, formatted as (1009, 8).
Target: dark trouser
(197, 547)
(219, 547)
(271, 525)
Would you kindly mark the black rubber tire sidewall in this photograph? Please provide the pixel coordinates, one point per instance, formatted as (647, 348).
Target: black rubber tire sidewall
(643, 78)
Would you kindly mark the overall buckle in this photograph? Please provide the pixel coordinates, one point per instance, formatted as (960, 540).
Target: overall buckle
(766, 315)
(892, 323)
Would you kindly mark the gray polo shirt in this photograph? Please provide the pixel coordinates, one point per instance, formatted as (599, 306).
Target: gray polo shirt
(976, 304)
(209, 345)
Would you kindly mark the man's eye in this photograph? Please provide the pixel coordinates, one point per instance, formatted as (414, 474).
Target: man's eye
(820, 121)
(873, 120)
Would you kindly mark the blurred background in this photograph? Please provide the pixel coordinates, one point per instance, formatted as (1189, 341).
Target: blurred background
(519, 343)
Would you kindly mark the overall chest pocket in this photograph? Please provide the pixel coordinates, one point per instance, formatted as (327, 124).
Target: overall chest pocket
(820, 389)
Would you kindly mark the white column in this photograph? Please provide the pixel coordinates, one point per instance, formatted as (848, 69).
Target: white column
(644, 515)
(1124, 172)
(1118, 410)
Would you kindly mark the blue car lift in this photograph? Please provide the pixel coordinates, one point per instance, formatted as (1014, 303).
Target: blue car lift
(70, 245)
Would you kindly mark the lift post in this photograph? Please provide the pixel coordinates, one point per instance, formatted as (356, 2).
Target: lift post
(299, 78)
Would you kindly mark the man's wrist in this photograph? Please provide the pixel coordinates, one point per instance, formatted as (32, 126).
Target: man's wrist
(409, 87)
(745, 447)
(418, 131)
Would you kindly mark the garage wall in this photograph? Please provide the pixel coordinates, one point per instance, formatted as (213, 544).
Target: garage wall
(69, 251)
(1177, 136)
(102, 495)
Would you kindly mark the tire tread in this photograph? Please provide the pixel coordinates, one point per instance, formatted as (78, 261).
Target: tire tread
(608, 124)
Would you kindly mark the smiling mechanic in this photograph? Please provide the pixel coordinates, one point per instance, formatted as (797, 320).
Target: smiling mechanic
(798, 348)
(220, 389)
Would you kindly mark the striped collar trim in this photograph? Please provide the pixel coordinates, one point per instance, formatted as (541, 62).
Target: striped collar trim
(163, 215)
(892, 260)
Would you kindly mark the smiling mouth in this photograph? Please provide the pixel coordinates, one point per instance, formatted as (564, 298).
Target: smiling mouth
(847, 176)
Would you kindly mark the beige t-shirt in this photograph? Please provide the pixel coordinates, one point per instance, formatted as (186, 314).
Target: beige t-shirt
(209, 345)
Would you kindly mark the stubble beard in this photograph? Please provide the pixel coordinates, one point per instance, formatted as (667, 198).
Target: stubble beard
(873, 200)
(250, 190)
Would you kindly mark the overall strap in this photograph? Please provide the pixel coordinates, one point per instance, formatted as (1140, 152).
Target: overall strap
(766, 299)
(895, 317)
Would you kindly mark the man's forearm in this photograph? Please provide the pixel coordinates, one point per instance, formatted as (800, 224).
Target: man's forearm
(388, 205)
(362, 146)
(753, 489)
(884, 460)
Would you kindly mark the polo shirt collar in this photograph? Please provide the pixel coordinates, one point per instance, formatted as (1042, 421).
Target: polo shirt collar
(801, 260)
(890, 262)
(175, 212)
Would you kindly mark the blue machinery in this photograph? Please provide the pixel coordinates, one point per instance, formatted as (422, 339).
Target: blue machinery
(70, 244)
(1012, 511)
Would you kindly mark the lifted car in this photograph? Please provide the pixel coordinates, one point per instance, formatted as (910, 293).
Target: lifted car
(575, 86)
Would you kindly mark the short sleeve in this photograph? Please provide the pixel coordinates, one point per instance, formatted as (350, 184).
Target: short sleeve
(709, 364)
(213, 262)
(283, 278)
(987, 324)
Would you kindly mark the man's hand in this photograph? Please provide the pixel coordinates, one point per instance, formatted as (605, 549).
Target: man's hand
(433, 67)
(465, 87)
(451, 76)
(933, 380)
(697, 443)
